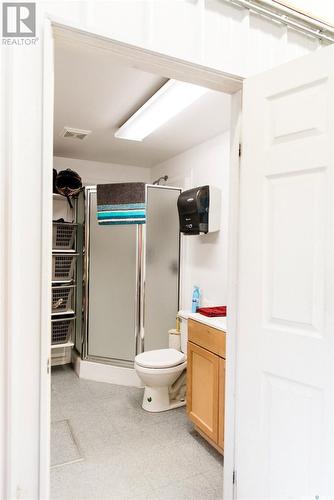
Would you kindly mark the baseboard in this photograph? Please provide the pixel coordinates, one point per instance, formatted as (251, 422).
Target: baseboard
(100, 372)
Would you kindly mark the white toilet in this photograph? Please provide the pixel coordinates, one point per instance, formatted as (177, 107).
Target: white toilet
(160, 369)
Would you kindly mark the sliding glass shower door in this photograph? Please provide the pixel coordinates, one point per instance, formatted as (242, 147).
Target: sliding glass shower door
(112, 288)
(161, 266)
(131, 280)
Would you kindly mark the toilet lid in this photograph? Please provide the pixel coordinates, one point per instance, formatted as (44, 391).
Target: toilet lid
(160, 358)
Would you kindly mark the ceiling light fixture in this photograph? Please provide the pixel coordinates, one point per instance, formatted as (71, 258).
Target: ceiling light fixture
(170, 100)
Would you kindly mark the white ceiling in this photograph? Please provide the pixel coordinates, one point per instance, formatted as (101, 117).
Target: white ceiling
(94, 93)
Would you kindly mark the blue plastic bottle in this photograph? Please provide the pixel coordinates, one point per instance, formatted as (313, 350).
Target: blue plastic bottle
(195, 299)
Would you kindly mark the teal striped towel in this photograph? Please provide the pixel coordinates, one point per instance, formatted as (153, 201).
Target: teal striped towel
(121, 203)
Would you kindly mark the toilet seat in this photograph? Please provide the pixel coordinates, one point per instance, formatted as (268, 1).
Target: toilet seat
(160, 358)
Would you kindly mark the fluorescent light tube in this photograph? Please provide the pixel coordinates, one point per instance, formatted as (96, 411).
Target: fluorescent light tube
(171, 99)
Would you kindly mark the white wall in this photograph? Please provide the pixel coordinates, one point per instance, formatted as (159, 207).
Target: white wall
(204, 260)
(215, 33)
(209, 32)
(95, 172)
(322, 9)
(204, 257)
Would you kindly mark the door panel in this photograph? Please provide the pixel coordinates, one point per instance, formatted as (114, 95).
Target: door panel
(161, 266)
(221, 419)
(112, 289)
(202, 389)
(284, 445)
(295, 213)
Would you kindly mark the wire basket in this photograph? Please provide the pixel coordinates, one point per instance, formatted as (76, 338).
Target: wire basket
(63, 299)
(63, 267)
(61, 356)
(61, 330)
(63, 236)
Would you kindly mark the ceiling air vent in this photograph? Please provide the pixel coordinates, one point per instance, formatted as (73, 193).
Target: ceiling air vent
(75, 133)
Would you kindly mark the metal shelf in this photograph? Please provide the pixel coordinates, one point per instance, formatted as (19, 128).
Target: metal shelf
(65, 222)
(67, 314)
(62, 282)
(67, 344)
(64, 252)
(57, 196)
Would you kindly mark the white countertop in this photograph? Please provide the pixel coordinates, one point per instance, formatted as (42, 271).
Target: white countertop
(219, 322)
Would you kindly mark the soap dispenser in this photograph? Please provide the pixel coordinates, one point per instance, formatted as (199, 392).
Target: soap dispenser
(196, 299)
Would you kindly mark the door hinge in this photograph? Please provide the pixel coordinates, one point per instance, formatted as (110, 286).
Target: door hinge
(48, 366)
(239, 149)
(234, 477)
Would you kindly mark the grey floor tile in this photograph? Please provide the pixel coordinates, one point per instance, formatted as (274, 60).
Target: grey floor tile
(196, 487)
(168, 464)
(208, 459)
(63, 377)
(216, 481)
(88, 480)
(128, 453)
(121, 394)
(56, 408)
(64, 448)
(70, 389)
(94, 430)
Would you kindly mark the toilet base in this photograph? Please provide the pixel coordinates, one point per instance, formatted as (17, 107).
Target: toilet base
(156, 399)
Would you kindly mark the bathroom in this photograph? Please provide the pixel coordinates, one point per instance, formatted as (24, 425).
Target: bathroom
(131, 288)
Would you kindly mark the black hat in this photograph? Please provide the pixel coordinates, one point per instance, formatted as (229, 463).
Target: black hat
(68, 183)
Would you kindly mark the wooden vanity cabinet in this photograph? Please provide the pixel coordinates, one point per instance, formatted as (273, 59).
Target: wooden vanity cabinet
(206, 381)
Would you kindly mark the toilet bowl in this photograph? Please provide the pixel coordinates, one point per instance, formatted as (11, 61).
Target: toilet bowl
(159, 370)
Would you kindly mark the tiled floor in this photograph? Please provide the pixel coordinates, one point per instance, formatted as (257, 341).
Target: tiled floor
(124, 452)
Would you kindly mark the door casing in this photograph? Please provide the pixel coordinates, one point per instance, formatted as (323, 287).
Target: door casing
(170, 67)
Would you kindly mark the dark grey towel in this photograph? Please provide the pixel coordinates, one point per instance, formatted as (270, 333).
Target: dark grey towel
(120, 193)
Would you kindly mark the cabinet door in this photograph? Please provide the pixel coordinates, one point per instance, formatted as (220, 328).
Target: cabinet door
(202, 395)
(221, 402)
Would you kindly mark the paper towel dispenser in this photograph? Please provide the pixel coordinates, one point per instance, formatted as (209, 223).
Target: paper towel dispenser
(199, 210)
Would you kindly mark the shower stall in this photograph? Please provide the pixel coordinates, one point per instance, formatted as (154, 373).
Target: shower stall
(131, 280)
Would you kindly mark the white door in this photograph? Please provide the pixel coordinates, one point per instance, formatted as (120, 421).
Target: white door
(285, 384)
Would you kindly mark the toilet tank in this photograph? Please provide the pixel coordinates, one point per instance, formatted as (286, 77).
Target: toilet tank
(183, 317)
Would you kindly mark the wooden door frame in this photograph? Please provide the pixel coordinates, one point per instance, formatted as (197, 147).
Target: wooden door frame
(170, 67)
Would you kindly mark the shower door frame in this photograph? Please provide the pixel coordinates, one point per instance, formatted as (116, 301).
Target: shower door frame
(139, 325)
(141, 337)
(89, 190)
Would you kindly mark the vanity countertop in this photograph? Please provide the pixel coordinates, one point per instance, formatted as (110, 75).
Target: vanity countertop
(219, 322)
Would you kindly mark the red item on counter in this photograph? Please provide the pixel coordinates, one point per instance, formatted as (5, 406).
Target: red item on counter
(212, 312)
